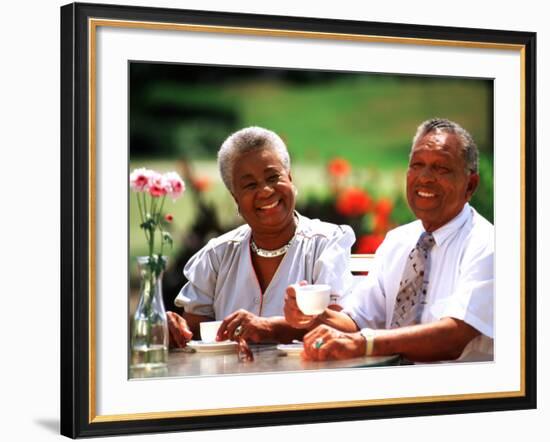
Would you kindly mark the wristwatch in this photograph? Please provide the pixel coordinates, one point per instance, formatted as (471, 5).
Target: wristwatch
(369, 334)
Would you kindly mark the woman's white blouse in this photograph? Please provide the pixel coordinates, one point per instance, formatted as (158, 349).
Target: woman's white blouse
(221, 278)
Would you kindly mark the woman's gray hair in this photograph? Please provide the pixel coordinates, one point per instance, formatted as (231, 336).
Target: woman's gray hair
(247, 140)
(469, 148)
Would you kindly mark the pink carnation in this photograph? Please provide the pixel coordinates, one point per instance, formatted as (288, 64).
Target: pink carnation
(176, 186)
(157, 185)
(139, 179)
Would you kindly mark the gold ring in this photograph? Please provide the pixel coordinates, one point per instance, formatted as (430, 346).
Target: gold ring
(239, 330)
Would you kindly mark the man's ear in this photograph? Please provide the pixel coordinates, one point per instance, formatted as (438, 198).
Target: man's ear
(473, 182)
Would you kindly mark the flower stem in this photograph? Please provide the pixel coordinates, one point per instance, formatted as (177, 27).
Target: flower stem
(144, 216)
(144, 203)
(140, 212)
(139, 207)
(154, 227)
(159, 213)
(161, 207)
(153, 206)
(151, 242)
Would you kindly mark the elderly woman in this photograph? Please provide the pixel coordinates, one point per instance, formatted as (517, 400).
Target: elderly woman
(241, 276)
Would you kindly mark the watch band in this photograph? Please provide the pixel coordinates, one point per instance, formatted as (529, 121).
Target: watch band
(369, 334)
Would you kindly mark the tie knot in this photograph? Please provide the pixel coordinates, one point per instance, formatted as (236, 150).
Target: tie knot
(426, 241)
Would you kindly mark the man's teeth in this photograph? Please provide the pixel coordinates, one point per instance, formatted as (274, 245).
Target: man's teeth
(269, 206)
(425, 194)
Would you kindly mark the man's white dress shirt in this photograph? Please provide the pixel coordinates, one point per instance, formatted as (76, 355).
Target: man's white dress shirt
(460, 279)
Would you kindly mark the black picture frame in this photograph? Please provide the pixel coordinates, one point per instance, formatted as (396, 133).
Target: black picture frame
(77, 251)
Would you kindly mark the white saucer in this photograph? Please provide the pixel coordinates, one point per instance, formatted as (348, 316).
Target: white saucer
(212, 347)
(291, 349)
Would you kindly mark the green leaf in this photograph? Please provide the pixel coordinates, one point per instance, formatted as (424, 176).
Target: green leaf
(167, 238)
(148, 224)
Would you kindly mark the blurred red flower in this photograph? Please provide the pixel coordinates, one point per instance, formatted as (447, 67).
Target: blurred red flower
(201, 184)
(339, 167)
(368, 243)
(169, 218)
(383, 207)
(381, 217)
(381, 223)
(353, 202)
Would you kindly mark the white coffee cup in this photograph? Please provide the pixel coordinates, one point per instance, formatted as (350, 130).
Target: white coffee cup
(209, 330)
(312, 299)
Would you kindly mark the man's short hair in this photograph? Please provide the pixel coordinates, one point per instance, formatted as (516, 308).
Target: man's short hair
(469, 148)
(247, 140)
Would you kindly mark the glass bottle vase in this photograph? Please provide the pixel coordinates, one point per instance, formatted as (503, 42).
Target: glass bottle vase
(149, 345)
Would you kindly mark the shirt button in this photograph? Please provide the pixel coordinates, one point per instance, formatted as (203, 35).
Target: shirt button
(256, 300)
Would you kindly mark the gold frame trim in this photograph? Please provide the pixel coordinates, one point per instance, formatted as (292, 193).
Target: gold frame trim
(297, 407)
(297, 34)
(93, 24)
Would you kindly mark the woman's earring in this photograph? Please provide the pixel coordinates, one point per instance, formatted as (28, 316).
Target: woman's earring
(295, 190)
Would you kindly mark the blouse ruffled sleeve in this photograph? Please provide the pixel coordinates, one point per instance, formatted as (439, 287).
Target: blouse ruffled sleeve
(333, 263)
(201, 271)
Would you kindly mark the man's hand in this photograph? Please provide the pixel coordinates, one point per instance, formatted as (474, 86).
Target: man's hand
(245, 325)
(325, 343)
(179, 330)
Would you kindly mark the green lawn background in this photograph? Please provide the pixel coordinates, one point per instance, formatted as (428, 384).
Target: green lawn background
(368, 120)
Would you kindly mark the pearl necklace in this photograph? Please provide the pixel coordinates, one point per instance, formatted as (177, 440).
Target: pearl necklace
(271, 253)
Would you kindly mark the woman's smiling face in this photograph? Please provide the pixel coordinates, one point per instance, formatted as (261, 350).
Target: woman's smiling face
(263, 191)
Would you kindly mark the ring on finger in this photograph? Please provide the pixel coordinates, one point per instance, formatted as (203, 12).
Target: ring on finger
(239, 330)
(318, 343)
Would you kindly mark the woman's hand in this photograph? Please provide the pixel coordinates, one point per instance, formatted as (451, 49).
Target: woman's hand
(179, 330)
(245, 325)
(325, 343)
(293, 314)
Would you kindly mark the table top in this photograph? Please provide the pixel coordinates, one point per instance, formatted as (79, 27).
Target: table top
(267, 359)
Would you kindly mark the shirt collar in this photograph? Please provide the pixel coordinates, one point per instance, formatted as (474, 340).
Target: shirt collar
(300, 225)
(444, 232)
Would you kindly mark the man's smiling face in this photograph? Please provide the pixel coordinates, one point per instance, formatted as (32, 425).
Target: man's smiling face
(438, 184)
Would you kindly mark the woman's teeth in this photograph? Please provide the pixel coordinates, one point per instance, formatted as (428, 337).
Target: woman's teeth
(269, 206)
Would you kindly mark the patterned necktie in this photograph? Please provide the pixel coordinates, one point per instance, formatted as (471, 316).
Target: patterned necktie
(414, 284)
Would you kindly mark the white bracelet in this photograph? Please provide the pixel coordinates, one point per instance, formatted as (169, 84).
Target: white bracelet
(369, 334)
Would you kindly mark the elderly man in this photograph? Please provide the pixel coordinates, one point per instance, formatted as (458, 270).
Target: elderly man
(430, 294)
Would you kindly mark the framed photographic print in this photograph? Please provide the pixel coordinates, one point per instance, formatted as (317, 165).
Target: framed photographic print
(161, 89)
